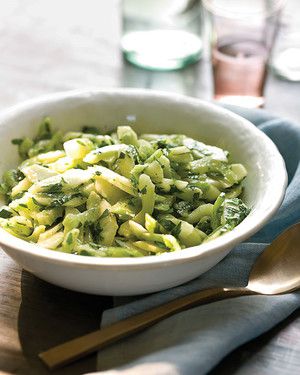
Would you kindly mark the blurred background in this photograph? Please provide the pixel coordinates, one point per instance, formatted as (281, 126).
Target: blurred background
(49, 46)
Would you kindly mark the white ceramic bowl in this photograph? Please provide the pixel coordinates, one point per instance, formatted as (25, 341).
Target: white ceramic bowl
(156, 112)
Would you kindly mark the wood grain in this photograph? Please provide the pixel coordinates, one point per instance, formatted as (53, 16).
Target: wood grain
(35, 315)
(11, 358)
(77, 348)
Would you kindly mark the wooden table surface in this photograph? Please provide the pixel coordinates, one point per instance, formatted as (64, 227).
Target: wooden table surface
(55, 45)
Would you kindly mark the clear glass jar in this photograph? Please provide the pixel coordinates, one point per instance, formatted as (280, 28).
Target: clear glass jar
(162, 34)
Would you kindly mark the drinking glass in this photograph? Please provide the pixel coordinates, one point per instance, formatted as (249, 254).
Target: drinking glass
(286, 54)
(242, 35)
(161, 34)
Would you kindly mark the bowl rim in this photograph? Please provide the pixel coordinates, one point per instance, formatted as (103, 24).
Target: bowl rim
(226, 241)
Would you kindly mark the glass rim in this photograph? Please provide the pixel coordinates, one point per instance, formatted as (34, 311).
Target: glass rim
(223, 11)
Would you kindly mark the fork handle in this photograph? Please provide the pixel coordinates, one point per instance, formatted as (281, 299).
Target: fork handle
(79, 347)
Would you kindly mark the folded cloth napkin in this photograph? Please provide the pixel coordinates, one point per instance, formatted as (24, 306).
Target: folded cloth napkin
(194, 341)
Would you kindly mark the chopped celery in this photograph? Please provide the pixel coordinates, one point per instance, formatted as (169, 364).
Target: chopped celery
(77, 148)
(120, 194)
(106, 153)
(109, 191)
(147, 193)
(199, 213)
(127, 135)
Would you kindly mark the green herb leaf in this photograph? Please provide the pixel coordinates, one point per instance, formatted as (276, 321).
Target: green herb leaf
(17, 141)
(55, 188)
(105, 214)
(90, 130)
(69, 239)
(176, 231)
(5, 214)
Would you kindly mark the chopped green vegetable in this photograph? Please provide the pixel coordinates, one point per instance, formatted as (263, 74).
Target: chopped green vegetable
(120, 195)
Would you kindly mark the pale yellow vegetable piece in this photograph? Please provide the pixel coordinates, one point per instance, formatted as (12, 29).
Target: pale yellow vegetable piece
(52, 242)
(115, 179)
(199, 212)
(108, 191)
(50, 232)
(36, 173)
(23, 185)
(77, 148)
(239, 170)
(108, 224)
(148, 246)
(63, 164)
(51, 156)
(104, 153)
(147, 190)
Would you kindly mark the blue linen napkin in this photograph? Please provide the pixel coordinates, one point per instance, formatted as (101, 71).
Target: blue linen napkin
(194, 341)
